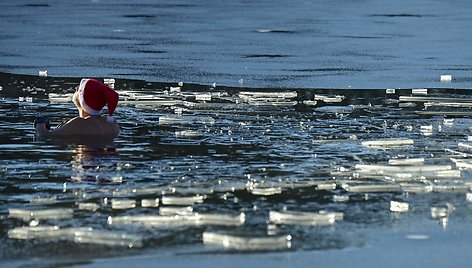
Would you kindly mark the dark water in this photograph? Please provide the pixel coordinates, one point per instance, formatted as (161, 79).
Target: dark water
(237, 157)
(309, 44)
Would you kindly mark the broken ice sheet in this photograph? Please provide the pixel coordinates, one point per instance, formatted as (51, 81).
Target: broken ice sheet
(60, 98)
(247, 243)
(329, 99)
(123, 203)
(388, 142)
(148, 203)
(372, 188)
(176, 210)
(178, 220)
(301, 218)
(406, 161)
(396, 206)
(441, 211)
(40, 214)
(265, 191)
(86, 235)
(175, 200)
(386, 169)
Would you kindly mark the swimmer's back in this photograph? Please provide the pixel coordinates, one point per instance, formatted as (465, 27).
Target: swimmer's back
(89, 126)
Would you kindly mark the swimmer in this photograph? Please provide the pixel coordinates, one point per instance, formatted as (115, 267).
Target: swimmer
(90, 98)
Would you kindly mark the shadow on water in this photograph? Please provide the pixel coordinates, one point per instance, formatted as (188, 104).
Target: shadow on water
(219, 169)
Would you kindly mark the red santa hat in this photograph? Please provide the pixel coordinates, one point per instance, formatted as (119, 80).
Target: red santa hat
(94, 95)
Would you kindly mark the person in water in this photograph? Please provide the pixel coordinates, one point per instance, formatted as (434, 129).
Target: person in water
(90, 97)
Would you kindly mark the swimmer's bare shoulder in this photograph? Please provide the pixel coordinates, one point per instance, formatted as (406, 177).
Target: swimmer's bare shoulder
(78, 126)
(74, 127)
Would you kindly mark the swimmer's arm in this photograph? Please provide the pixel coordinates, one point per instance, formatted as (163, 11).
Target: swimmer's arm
(73, 127)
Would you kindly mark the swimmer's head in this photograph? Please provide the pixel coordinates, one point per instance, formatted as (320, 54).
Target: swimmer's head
(93, 95)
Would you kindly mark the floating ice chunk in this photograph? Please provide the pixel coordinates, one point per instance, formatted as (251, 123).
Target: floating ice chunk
(176, 220)
(465, 145)
(442, 211)
(78, 235)
(450, 188)
(426, 130)
(335, 109)
(164, 221)
(407, 105)
(220, 219)
(265, 191)
(396, 206)
(174, 200)
(310, 102)
(165, 211)
(301, 218)
(448, 104)
(43, 73)
(123, 203)
(89, 206)
(175, 89)
(269, 98)
(468, 197)
(50, 199)
(372, 188)
(329, 99)
(60, 98)
(282, 94)
(340, 198)
(109, 238)
(150, 203)
(419, 91)
(33, 232)
(27, 215)
(445, 78)
(406, 162)
(187, 133)
(425, 99)
(203, 97)
(416, 188)
(388, 142)
(247, 243)
(109, 82)
(448, 121)
(272, 102)
(326, 186)
(462, 163)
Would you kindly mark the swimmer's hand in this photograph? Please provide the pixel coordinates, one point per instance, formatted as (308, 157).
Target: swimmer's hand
(42, 120)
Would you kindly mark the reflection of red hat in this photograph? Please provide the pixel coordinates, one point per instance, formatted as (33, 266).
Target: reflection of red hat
(94, 95)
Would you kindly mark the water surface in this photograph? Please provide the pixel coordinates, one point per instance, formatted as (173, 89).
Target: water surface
(205, 170)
